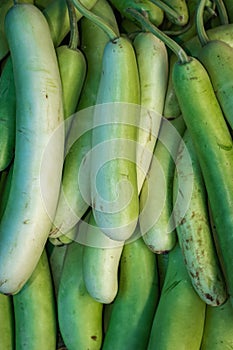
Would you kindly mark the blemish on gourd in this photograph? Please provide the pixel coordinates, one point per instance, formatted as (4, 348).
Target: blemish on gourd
(195, 274)
(181, 193)
(209, 297)
(183, 221)
(125, 175)
(225, 147)
(2, 283)
(150, 129)
(172, 286)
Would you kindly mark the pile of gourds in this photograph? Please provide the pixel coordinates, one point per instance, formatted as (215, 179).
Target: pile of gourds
(116, 174)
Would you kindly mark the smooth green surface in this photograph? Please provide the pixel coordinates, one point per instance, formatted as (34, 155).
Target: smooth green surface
(79, 315)
(133, 309)
(179, 318)
(35, 310)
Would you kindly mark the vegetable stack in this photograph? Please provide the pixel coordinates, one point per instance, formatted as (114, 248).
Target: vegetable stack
(116, 174)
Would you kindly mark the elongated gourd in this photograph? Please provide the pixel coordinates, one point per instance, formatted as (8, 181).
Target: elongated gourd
(114, 194)
(35, 310)
(156, 219)
(39, 147)
(180, 314)
(194, 229)
(132, 311)
(213, 144)
(79, 315)
(101, 257)
(153, 74)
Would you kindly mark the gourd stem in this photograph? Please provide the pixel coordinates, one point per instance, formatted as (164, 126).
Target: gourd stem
(167, 9)
(74, 34)
(222, 12)
(202, 35)
(148, 26)
(96, 19)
